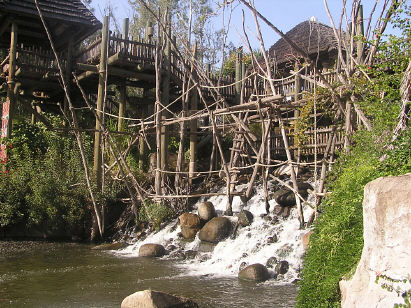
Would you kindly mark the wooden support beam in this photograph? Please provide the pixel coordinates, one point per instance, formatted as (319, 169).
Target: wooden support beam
(122, 88)
(97, 166)
(165, 98)
(113, 71)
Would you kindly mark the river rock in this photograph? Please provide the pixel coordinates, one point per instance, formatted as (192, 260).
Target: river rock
(281, 268)
(206, 211)
(242, 266)
(215, 230)
(272, 239)
(305, 239)
(245, 218)
(255, 272)
(271, 262)
(285, 196)
(190, 224)
(155, 299)
(151, 250)
(387, 245)
(110, 246)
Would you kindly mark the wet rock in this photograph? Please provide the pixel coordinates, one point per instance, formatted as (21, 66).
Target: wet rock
(242, 266)
(285, 196)
(286, 212)
(245, 218)
(206, 211)
(255, 272)
(190, 254)
(151, 250)
(155, 299)
(271, 262)
(190, 224)
(278, 209)
(171, 247)
(206, 247)
(281, 268)
(272, 239)
(178, 255)
(110, 246)
(306, 239)
(284, 251)
(215, 230)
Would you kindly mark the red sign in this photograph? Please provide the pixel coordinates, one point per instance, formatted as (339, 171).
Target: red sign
(4, 128)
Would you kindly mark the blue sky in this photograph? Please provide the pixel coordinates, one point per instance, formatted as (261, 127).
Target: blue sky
(284, 14)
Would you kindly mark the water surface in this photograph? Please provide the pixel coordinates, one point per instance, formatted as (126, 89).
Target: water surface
(38, 274)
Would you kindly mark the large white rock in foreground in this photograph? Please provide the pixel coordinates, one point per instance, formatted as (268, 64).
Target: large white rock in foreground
(387, 245)
(155, 299)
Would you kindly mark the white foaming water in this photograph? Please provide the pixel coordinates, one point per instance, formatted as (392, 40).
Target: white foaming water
(251, 244)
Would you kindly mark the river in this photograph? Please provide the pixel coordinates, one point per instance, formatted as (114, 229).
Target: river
(42, 274)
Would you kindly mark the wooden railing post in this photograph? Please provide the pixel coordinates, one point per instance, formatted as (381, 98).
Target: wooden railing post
(97, 168)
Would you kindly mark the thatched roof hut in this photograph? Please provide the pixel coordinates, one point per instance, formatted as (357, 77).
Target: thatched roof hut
(65, 18)
(311, 36)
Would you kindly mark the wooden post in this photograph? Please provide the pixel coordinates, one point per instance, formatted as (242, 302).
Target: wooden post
(141, 141)
(97, 168)
(360, 32)
(165, 98)
(238, 77)
(123, 89)
(67, 75)
(193, 128)
(297, 96)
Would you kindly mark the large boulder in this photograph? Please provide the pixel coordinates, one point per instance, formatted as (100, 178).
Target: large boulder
(215, 230)
(151, 250)
(245, 218)
(387, 245)
(206, 211)
(255, 272)
(155, 299)
(190, 224)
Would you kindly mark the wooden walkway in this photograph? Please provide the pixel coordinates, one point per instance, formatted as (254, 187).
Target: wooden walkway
(135, 59)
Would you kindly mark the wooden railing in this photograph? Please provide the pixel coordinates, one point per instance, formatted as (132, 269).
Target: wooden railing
(35, 60)
(309, 145)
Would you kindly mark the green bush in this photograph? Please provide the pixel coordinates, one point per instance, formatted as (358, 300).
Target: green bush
(44, 185)
(155, 213)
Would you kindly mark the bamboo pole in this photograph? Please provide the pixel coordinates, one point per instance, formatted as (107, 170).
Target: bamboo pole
(123, 89)
(97, 170)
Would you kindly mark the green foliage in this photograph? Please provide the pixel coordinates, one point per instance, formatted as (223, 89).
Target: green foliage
(155, 213)
(44, 183)
(336, 244)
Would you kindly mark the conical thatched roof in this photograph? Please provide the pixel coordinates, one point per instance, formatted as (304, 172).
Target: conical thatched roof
(311, 36)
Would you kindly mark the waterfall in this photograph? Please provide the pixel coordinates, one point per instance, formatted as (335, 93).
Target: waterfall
(252, 244)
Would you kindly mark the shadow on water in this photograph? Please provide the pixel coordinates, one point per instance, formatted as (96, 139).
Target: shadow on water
(37, 274)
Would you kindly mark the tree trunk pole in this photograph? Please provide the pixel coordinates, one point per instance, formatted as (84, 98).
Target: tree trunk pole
(122, 89)
(193, 127)
(97, 168)
(165, 99)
